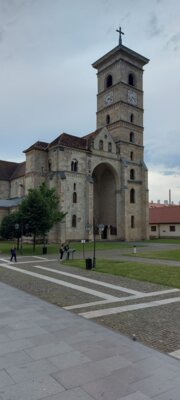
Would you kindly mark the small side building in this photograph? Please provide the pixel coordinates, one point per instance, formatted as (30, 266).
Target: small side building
(164, 221)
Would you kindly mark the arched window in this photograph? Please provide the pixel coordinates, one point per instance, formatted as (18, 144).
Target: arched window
(109, 147)
(132, 174)
(131, 137)
(49, 165)
(132, 118)
(132, 221)
(132, 155)
(74, 221)
(74, 197)
(109, 81)
(74, 165)
(131, 80)
(107, 119)
(132, 196)
(101, 145)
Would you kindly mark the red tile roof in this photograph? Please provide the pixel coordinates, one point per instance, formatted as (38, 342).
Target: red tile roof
(69, 141)
(164, 215)
(7, 168)
(19, 171)
(37, 146)
(11, 170)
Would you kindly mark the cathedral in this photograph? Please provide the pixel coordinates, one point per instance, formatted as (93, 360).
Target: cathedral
(101, 178)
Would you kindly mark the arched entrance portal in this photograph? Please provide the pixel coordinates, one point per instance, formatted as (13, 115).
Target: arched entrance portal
(105, 199)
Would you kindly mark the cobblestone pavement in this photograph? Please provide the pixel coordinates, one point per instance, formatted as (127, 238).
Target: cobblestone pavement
(156, 326)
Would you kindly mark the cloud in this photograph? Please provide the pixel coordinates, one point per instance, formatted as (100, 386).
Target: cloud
(160, 182)
(174, 42)
(155, 29)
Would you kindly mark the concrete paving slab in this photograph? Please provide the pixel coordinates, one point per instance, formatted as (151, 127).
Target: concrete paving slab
(66, 357)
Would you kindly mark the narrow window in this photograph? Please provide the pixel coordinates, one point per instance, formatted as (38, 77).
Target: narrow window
(131, 137)
(74, 221)
(109, 147)
(49, 165)
(74, 165)
(107, 119)
(172, 228)
(132, 196)
(101, 145)
(153, 228)
(74, 186)
(132, 221)
(132, 174)
(74, 197)
(109, 81)
(131, 80)
(131, 117)
(131, 155)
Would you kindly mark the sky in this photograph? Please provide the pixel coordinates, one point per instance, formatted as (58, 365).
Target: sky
(48, 85)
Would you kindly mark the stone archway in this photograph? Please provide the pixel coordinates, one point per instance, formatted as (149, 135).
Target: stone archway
(105, 196)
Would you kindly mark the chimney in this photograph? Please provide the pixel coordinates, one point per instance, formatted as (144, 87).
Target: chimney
(169, 196)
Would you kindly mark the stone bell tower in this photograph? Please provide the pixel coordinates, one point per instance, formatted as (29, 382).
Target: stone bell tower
(120, 110)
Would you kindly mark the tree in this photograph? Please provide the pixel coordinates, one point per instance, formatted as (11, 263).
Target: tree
(10, 227)
(40, 211)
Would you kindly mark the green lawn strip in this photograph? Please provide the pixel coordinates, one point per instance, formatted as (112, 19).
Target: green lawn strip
(165, 240)
(54, 248)
(163, 275)
(173, 254)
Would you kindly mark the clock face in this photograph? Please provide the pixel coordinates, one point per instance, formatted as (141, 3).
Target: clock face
(108, 99)
(132, 97)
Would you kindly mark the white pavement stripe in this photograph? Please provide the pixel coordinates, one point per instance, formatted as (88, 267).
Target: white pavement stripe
(100, 283)
(121, 299)
(62, 283)
(175, 354)
(94, 303)
(132, 307)
(29, 262)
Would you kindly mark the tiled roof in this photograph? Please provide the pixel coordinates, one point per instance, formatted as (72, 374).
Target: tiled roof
(37, 146)
(69, 141)
(7, 168)
(11, 170)
(164, 215)
(19, 171)
(92, 135)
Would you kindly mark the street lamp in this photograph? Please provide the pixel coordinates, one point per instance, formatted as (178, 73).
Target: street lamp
(17, 228)
(100, 228)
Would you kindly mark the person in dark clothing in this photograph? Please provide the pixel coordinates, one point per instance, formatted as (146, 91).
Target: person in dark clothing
(66, 249)
(13, 254)
(61, 251)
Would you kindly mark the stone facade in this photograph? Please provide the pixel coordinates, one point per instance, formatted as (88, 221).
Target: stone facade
(101, 178)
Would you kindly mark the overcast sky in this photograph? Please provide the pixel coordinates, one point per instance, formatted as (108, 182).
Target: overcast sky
(48, 86)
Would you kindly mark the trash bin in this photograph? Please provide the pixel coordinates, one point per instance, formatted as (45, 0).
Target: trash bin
(88, 263)
(44, 250)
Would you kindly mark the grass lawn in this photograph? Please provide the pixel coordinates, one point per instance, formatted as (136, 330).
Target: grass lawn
(163, 275)
(54, 248)
(173, 254)
(160, 274)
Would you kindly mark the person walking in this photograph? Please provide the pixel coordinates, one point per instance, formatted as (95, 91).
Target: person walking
(13, 254)
(61, 251)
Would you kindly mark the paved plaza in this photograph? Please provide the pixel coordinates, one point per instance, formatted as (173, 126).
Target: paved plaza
(79, 350)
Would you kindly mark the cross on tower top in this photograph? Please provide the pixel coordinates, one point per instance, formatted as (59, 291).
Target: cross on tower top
(120, 34)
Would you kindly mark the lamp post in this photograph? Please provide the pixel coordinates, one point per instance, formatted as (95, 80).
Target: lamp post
(17, 228)
(100, 228)
(88, 227)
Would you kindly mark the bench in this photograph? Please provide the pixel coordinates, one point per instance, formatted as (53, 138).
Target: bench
(70, 252)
